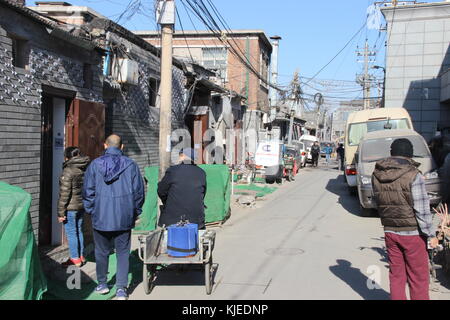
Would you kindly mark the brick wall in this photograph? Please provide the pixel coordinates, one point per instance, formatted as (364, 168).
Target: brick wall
(236, 72)
(129, 113)
(58, 66)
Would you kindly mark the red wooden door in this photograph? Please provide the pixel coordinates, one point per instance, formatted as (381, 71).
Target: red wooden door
(85, 127)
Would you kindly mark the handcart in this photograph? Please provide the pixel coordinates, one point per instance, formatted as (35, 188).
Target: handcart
(153, 252)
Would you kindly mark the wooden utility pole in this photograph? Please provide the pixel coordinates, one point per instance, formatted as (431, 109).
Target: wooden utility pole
(166, 19)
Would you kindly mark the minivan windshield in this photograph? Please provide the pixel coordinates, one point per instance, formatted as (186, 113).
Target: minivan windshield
(377, 149)
(308, 143)
(357, 130)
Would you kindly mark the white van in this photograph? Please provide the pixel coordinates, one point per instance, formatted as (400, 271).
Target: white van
(308, 141)
(361, 122)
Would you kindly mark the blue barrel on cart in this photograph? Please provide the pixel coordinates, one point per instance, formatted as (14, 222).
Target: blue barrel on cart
(182, 240)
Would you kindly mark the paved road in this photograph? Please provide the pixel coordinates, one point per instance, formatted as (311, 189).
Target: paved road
(305, 241)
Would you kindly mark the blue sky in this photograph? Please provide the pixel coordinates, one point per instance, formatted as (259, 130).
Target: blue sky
(312, 31)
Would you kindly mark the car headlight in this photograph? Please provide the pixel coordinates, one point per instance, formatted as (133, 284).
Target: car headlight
(366, 180)
(432, 175)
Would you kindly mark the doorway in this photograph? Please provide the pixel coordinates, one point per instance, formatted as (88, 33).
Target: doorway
(53, 119)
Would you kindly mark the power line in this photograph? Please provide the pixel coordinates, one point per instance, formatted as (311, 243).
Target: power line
(184, 35)
(340, 51)
(213, 26)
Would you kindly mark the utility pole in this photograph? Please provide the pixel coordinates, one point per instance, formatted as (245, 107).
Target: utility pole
(274, 69)
(295, 100)
(165, 15)
(318, 99)
(365, 80)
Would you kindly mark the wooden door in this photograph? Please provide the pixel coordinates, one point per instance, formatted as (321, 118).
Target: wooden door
(85, 127)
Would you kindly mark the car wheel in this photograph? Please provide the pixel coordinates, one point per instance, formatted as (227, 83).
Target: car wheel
(353, 191)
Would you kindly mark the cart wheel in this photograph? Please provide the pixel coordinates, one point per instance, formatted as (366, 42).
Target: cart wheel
(149, 272)
(208, 276)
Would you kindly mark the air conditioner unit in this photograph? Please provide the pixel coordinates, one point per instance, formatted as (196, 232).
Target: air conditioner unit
(126, 71)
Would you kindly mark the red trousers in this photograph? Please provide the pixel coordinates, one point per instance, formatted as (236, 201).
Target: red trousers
(408, 263)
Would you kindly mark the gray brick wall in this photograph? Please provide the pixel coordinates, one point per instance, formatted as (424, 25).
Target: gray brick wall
(130, 115)
(59, 65)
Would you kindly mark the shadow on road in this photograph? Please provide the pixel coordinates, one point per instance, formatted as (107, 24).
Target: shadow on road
(347, 200)
(357, 281)
(184, 275)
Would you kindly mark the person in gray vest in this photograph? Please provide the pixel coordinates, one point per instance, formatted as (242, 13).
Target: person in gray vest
(404, 209)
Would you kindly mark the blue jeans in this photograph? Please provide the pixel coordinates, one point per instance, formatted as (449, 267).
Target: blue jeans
(105, 241)
(328, 157)
(73, 226)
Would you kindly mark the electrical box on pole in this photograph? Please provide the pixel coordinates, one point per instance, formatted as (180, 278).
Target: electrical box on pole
(165, 12)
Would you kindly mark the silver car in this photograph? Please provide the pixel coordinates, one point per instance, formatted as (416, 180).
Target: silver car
(376, 146)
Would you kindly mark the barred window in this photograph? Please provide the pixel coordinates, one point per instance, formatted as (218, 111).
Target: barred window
(216, 59)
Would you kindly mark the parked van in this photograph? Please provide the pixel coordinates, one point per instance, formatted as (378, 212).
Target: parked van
(308, 141)
(361, 122)
(376, 146)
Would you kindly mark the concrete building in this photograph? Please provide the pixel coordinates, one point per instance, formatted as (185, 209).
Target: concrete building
(340, 116)
(417, 63)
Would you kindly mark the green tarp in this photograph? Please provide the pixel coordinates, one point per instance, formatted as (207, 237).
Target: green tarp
(21, 276)
(217, 199)
(261, 191)
(150, 208)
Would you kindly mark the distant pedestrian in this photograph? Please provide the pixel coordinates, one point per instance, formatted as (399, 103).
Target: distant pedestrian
(182, 191)
(328, 151)
(113, 194)
(341, 156)
(315, 154)
(404, 208)
(70, 204)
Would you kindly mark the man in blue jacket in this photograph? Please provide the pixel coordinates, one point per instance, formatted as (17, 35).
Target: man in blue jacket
(113, 193)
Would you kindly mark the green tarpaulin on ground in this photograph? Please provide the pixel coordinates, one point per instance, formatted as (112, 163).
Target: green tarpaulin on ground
(261, 190)
(21, 276)
(217, 199)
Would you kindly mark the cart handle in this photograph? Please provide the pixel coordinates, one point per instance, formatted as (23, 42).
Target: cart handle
(141, 248)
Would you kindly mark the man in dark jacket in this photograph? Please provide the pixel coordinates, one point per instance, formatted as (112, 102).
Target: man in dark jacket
(315, 153)
(404, 209)
(113, 193)
(341, 155)
(182, 191)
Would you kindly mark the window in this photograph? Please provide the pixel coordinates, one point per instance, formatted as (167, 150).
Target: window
(264, 70)
(20, 52)
(216, 59)
(358, 130)
(377, 149)
(153, 91)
